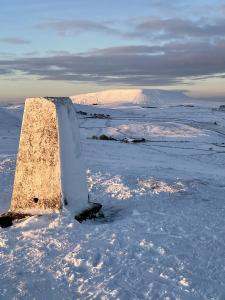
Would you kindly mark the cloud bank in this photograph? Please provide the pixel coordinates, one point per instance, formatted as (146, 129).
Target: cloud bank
(159, 51)
(168, 64)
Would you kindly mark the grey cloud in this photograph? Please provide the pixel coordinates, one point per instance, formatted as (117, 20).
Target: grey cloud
(65, 27)
(151, 28)
(7, 54)
(32, 53)
(143, 80)
(125, 80)
(175, 28)
(58, 52)
(167, 6)
(171, 64)
(4, 72)
(222, 8)
(14, 40)
(182, 9)
(127, 50)
(166, 48)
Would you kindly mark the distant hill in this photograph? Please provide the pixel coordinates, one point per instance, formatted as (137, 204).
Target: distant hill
(146, 97)
(10, 117)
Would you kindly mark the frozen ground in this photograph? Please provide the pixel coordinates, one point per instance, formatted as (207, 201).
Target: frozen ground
(163, 200)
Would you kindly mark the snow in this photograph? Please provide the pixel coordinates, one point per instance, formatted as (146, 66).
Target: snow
(163, 200)
(73, 179)
(158, 129)
(141, 97)
(111, 97)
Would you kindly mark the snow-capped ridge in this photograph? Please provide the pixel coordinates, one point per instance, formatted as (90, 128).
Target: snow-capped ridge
(139, 97)
(111, 97)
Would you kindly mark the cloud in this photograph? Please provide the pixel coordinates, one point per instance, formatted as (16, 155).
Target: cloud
(177, 29)
(169, 64)
(14, 41)
(210, 10)
(4, 71)
(127, 50)
(65, 27)
(167, 6)
(150, 28)
(222, 9)
(58, 52)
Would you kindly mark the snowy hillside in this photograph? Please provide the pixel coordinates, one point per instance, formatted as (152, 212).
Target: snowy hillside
(162, 236)
(8, 118)
(139, 97)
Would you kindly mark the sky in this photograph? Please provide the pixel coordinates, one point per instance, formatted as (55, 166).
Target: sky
(67, 47)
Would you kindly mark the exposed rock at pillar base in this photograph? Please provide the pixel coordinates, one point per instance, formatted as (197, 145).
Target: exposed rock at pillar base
(90, 213)
(7, 219)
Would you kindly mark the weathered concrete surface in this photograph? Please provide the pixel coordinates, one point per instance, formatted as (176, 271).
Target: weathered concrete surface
(50, 171)
(37, 186)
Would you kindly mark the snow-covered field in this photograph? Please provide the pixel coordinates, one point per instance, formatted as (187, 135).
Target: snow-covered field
(163, 235)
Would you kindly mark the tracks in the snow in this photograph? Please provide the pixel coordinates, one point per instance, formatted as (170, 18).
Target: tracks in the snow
(206, 149)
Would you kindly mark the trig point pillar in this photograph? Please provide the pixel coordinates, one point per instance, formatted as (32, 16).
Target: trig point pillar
(49, 171)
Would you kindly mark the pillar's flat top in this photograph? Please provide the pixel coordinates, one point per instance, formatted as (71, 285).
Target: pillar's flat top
(55, 100)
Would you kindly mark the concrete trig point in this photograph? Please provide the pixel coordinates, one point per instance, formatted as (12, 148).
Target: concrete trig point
(49, 169)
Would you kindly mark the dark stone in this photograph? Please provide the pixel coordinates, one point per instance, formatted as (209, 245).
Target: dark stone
(149, 107)
(6, 220)
(84, 113)
(106, 138)
(142, 140)
(100, 116)
(94, 137)
(131, 140)
(90, 213)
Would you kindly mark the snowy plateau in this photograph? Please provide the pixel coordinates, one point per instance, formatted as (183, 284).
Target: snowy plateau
(163, 231)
